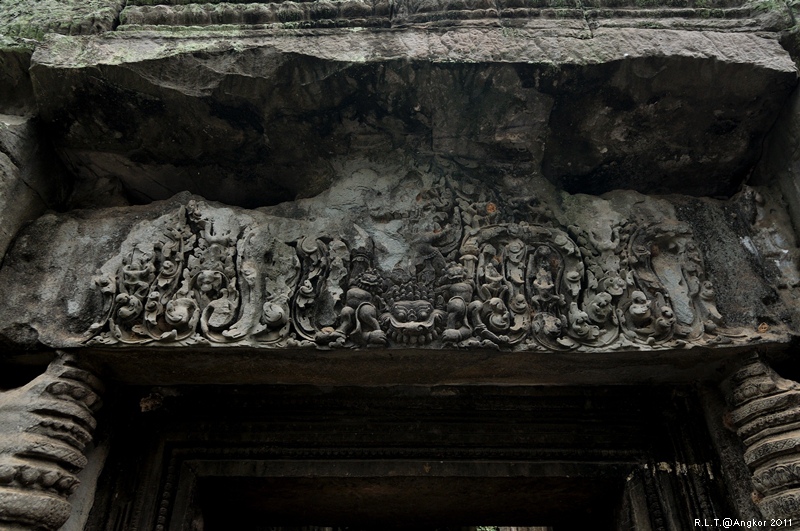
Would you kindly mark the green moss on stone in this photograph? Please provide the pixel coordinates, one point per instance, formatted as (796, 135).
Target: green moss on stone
(33, 19)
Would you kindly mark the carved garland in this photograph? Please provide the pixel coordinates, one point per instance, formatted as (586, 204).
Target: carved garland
(481, 276)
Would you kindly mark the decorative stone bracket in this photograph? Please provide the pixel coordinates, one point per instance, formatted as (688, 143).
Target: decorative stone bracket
(44, 428)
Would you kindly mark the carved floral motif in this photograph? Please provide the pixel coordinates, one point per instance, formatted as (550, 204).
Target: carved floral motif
(479, 272)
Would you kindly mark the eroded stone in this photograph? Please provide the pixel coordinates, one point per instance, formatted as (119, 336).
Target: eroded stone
(31, 177)
(411, 260)
(255, 120)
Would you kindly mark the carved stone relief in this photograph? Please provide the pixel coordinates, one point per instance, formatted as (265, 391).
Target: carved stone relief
(477, 272)
(765, 413)
(46, 425)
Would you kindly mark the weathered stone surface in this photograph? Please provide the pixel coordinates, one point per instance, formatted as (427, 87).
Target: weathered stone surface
(723, 14)
(781, 160)
(44, 429)
(31, 177)
(404, 260)
(15, 83)
(31, 20)
(764, 411)
(256, 119)
(23, 23)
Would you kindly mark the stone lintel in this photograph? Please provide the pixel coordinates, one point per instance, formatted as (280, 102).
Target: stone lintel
(399, 366)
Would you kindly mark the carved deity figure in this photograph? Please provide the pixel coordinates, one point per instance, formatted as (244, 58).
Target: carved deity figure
(458, 290)
(411, 317)
(491, 320)
(358, 320)
(579, 324)
(600, 308)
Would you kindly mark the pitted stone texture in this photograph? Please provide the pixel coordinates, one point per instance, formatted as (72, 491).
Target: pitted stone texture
(264, 117)
(781, 160)
(15, 82)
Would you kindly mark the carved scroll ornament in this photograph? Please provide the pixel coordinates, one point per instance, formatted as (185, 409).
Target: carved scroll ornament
(479, 273)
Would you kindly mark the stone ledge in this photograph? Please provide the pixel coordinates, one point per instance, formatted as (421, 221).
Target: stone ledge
(396, 366)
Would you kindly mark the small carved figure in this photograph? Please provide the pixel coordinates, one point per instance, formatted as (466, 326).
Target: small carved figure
(665, 321)
(547, 327)
(614, 285)
(639, 313)
(129, 307)
(544, 289)
(515, 264)
(358, 320)
(712, 319)
(181, 315)
(579, 324)
(492, 281)
(573, 281)
(138, 273)
(600, 308)
(491, 320)
(458, 291)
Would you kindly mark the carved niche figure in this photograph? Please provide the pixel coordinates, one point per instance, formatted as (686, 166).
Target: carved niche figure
(210, 277)
(457, 289)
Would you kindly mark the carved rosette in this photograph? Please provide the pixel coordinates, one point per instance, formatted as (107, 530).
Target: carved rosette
(46, 426)
(766, 414)
(478, 273)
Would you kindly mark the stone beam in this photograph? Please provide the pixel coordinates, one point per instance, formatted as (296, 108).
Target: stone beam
(258, 117)
(414, 262)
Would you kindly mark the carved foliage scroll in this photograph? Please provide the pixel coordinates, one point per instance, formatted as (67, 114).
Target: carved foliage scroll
(478, 272)
(202, 278)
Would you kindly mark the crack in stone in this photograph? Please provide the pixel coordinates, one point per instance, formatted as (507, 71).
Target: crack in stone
(586, 20)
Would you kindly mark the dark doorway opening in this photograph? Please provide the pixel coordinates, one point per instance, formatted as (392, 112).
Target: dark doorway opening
(407, 503)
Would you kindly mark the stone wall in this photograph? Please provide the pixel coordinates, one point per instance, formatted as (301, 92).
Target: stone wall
(427, 198)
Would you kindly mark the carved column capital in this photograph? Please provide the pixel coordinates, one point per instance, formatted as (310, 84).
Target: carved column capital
(45, 427)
